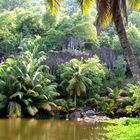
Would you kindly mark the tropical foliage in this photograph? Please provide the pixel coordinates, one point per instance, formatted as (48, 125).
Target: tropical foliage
(26, 85)
(124, 126)
(27, 29)
(81, 76)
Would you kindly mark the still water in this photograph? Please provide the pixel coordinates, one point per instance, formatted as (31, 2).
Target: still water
(31, 129)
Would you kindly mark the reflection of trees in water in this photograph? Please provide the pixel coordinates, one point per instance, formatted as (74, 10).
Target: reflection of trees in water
(24, 129)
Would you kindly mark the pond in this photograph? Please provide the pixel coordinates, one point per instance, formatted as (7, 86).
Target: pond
(31, 129)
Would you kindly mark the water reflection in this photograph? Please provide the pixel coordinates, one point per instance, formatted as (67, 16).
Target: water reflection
(31, 129)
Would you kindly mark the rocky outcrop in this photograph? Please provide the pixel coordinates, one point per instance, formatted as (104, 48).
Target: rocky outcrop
(82, 112)
(106, 55)
(87, 115)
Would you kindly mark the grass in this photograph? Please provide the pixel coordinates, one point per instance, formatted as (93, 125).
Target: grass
(123, 129)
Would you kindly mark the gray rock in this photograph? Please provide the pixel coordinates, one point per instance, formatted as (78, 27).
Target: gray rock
(90, 113)
(74, 115)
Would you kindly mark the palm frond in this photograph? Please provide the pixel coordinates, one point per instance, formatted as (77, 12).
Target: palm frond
(71, 85)
(104, 12)
(85, 5)
(82, 87)
(54, 5)
(28, 101)
(78, 90)
(32, 110)
(17, 94)
(47, 106)
(134, 4)
(14, 109)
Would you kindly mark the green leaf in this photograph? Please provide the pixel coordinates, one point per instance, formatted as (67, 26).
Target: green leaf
(32, 110)
(28, 101)
(3, 101)
(17, 94)
(32, 92)
(14, 109)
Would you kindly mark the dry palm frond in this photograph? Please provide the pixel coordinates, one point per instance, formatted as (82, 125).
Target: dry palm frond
(107, 9)
(104, 12)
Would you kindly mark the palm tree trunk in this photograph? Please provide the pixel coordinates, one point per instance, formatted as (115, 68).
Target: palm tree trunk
(127, 50)
(75, 100)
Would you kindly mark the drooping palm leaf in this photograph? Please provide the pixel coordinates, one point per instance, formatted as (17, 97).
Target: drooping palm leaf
(104, 12)
(105, 8)
(14, 109)
(17, 94)
(32, 110)
(54, 5)
(85, 5)
(134, 4)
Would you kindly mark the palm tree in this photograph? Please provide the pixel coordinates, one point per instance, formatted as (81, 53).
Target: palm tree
(78, 84)
(115, 10)
(73, 74)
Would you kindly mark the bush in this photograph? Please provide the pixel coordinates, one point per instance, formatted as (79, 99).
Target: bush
(29, 22)
(25, 85)
(134, 108)
(105, 40)
(133, 18)
(119, 67)
(116, 76)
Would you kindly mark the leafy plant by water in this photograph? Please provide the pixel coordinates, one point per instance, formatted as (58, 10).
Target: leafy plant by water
(81, 76)
(25, 85)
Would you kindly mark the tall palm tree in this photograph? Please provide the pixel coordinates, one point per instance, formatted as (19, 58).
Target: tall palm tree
(115, 10)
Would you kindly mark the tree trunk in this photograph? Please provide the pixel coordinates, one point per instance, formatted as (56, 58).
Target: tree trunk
(75, 100)
(127, 50)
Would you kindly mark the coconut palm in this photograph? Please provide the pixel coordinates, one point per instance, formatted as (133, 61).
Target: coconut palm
(115, 10)
(78, 84)
(77, 81)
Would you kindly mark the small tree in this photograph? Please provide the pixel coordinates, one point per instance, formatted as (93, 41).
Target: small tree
(75, 78)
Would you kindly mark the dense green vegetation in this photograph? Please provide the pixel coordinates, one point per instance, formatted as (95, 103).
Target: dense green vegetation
(26, 85)
(28, 32)
(123, 129)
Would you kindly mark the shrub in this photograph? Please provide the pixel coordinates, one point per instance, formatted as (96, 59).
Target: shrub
(119, 67)
(25, 85)
(117, 75)
(105, 40)
(134, 108)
